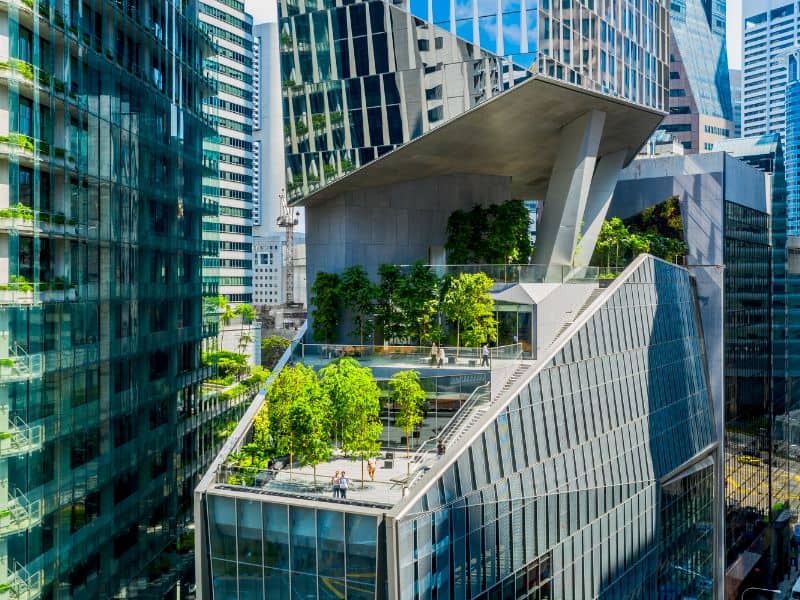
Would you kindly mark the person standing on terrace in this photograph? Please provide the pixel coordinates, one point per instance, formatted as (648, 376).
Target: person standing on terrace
(344, 483)
(485, 359)
(434, 353)
(335, 483)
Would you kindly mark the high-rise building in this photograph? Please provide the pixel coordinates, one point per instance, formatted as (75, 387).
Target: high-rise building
(587, 470)
(792, 140)
(231, 230)
(771, 30)
(699, 88)
(381, 91)
(103, 422)
(736, 100)
(724, 207)
(565, 480)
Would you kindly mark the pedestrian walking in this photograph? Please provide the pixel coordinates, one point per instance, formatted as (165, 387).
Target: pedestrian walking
(485, 359)
(441, 355)
(344, 483)
(371, 469)
(335, 482)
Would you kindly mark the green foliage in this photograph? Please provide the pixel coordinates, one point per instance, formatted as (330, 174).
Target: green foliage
(293, 384)
(18, 211)
(387, 309)
(18, 283)
(494, 235)
(246, 312)
(309, 424)
(326, 302)
(357, 294)
(658, 230)
(418, 300)
(228, 363)
(272, 348)
(408, 398)
(355, 407)
(468, 304)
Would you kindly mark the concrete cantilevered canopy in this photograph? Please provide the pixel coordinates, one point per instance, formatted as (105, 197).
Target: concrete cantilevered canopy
(515, 134)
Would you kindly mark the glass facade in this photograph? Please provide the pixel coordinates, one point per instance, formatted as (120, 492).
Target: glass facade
(792, 149)
(700, 105)
(364, 79)
(595, 478)
(104, 423)
(261, 550)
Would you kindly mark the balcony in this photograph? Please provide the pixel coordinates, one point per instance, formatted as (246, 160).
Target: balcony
(20, 584)
(19, 439)
(19, 365)
(20, 514)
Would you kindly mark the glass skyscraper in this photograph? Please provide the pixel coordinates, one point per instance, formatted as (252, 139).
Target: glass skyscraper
(364, 79)
(700, 106)
(104, 426)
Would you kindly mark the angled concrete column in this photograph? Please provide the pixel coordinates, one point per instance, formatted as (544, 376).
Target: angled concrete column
(601, 192)
(570, 180)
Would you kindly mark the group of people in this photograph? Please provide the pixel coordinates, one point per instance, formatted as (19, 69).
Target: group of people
(340, 483)
(437, 355)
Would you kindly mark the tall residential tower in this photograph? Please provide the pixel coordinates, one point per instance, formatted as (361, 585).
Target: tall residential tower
(231, 29)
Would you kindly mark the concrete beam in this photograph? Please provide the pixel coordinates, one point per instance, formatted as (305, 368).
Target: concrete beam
(601, 193)
(567, 192)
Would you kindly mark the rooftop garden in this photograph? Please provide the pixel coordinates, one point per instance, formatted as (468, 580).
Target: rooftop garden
(309, 416)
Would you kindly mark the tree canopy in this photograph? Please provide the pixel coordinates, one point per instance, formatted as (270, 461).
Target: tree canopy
(326, 302)
(494, 235)
(358, 295)
(468, 304)
(408, 398)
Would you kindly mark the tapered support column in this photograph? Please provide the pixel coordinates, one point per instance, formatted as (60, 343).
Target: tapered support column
(570, 181)
(601, 192)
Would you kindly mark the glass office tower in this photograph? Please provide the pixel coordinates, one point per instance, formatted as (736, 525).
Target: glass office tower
(362, 80)
(700, 106)
(101, 164)
(593, 475)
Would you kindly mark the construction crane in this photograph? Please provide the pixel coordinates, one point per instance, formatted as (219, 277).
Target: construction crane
(287, 220)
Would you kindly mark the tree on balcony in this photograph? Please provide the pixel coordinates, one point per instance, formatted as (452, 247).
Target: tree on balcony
(408, 398)
(467, 303)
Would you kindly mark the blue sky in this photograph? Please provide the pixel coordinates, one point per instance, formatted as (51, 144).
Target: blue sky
(258, 10)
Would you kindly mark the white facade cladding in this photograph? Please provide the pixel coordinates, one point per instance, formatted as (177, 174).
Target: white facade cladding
(230, 27)
(771, 30)
(269, 269)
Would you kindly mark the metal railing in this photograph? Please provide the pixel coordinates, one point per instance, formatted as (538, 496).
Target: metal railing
(20, 366)
(519, 273)
(20, 438)
(430, 449)
(379, 491)
(386, 355)
(21, 584)
(20, 513)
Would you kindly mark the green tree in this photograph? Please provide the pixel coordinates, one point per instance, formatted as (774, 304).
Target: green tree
(408, 398)
(468, 304)
(327, 306)
(355, 407)
(387, 307)
(309, 426)
(508, 238)
(293, 384)
(358, 295)
(418, 298)
(495, 235)
(272, 348)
